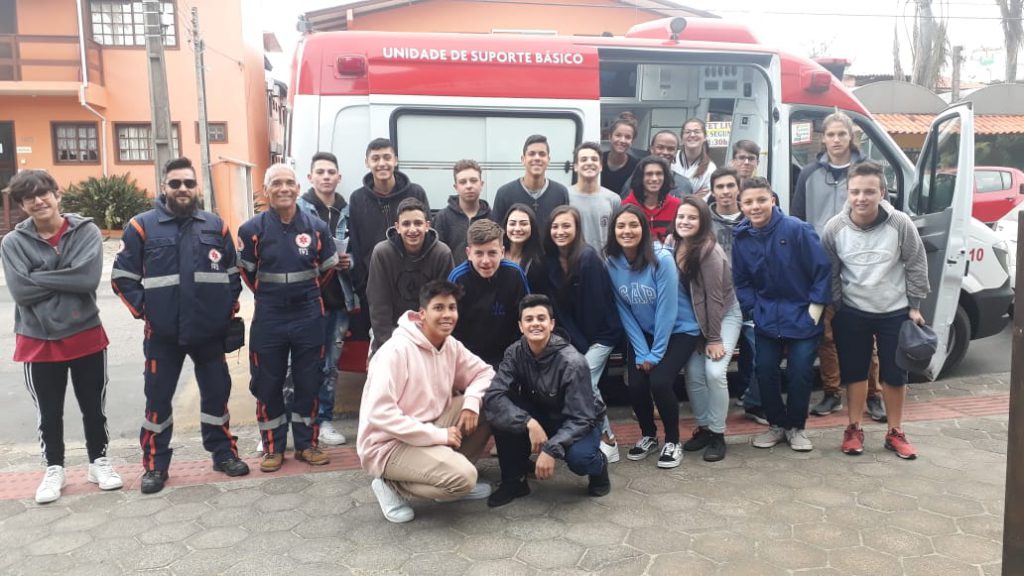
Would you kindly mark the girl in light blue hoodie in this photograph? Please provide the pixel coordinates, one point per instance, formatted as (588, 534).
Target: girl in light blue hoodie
(661, 326)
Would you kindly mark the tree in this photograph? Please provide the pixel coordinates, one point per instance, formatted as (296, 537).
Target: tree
(930, 47)
(1013, 31)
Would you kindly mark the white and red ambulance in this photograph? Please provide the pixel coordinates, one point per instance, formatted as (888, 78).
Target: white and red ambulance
(443, 97)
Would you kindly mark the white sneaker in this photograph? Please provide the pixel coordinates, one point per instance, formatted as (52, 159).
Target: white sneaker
(770, 437)
(798, 440)
(480, 491)
(671, 455)
(394, 507)
(102, 473)
(259, 446)
(330, 436)
(611, 451)
(49, 489)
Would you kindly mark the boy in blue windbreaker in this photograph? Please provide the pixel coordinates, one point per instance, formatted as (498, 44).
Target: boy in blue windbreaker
(782, 279)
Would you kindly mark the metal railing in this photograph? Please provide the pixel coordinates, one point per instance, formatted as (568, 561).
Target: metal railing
(42, 58)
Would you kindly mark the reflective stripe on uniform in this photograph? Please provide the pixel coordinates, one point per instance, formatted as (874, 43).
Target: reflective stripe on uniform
(118, 273)
(329, 263)
(211, 277)
(205, 418)
(232, 270)
(286, 278)
(304, 419)
(158, 428)
(273, 424)
(249, 266)
(161, 281)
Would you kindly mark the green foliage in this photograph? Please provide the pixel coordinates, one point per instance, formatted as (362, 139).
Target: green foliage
(1000, 150)
(110, 200)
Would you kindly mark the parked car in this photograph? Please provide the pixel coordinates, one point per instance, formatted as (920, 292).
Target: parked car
(997, 191)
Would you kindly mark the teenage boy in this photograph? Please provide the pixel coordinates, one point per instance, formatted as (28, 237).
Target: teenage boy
(541, 402)
(533, 189)
(879, 278)
(419, 419)
(492, 288)
(400, 266)
(323, 201)
(725, 216)
(373, 210)
(52, 263)
(745, 156)
(595, 203)
(463, 209)
(785, 302)
(821, 194)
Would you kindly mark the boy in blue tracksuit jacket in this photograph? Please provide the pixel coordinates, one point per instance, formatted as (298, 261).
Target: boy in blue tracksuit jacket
(782, 279)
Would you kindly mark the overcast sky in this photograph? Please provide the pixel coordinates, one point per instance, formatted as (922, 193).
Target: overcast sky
(859, 30)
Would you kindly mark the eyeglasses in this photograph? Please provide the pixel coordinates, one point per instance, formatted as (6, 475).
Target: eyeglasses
(176, 183)
(745, 158)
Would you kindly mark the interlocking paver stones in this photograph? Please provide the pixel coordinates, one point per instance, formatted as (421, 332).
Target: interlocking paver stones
(140, 505)
(58, 543)
(952, 506)
(596, 533)
(439, 563)
(550, 554)
(377, 558)
(968, 548)
(35, 517)
(273, 521)
(115, 528)
(505, 567)
(791, 554)
(987, 526)
(54, 564)
(233, 516)
(326, 506)
(329, 550)
(749, 567)
(240, 497)
(827, 536)
(155, 556)
(285, 485)
(216, 538)
(183, 512)
(432, 540)
(933, 565)
(10, 508)
(597, 558)
(263, 565)
(895, 541)
(864, 561)
(658, 540)
(681, 563)
(721, 546)
(924, 523)
(478, 524)
(172, 532)
(489, 547)
(328, 486)
(823, 496)
(535, 528)
(81, 521)
(280, 502)
(886, 501)
(187, 494)
(792, 512)
(761, 528)
(273, 543)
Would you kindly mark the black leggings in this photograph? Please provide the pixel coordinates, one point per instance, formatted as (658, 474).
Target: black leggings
(659, 383)
(47, 382)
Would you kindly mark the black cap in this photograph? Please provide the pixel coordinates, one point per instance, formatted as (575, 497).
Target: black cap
(916, 347)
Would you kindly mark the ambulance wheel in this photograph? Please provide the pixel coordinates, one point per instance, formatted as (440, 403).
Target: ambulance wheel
(959, 339)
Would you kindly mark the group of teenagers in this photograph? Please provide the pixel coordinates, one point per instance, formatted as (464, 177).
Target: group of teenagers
(527, 298)
(483, 319)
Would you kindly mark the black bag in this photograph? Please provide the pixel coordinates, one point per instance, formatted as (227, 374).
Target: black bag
(235, 337)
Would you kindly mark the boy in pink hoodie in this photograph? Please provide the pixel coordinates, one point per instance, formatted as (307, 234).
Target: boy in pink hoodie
(419, 420)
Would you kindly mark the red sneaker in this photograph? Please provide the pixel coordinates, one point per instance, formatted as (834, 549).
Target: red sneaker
(897, 441)
(853, 440)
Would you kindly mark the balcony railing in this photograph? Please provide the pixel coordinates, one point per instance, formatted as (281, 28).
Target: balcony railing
(36, 58)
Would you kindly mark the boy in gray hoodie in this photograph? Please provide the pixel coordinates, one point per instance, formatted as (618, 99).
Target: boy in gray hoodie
(52, 263)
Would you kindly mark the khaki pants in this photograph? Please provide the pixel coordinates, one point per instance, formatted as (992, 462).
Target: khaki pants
(828, 361)
(438, 472)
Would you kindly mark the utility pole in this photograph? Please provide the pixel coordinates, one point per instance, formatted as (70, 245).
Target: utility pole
(957, 60)
(204, 136)
(159, 104)
(1013, 504)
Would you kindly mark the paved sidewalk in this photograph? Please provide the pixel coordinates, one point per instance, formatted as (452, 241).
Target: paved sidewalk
(757, 512)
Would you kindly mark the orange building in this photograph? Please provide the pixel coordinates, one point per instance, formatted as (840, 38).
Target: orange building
(566, 17)
(78, 121)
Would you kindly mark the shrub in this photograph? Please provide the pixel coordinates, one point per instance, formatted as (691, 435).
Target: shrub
(111, 200)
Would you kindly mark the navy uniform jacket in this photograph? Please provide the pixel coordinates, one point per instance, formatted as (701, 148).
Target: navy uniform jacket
(180, 275)
(285, 264)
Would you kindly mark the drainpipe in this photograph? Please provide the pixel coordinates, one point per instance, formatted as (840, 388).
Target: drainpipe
(85, 86)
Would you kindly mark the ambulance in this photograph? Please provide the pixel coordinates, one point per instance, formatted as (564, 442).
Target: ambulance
(443, 97)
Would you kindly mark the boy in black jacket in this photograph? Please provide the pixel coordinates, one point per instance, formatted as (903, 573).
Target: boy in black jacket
(541, 401)
(493, 288)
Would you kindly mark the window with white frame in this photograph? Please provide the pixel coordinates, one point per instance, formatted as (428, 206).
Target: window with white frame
(123, 22)
(134, 142)
(75, 142)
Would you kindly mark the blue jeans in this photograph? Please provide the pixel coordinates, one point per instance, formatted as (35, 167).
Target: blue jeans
(800, 354)
(747, 369)
(335, 328)
(706, 379)
(597, 356)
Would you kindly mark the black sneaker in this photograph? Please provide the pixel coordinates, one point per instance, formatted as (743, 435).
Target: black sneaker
(508, 491)
(644, 447)
(829, 404)
(876, 410)
(671, 455)
(600, 484)
(153, 481)
(716, 448)
(232, 467)
(756, 413)
(699, 441)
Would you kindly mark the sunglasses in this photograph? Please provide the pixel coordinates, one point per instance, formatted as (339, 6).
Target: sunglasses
(176, 183)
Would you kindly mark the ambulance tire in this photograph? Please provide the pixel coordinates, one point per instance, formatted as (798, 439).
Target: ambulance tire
(959, 340)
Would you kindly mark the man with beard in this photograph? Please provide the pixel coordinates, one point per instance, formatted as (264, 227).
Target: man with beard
(176, 270)
(664, 144)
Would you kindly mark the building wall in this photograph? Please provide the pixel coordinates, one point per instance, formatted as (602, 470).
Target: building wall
(585, 17)
(235, 90)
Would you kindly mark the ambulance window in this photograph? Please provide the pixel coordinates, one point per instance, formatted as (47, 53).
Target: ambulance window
(494, 139)
(938, 170)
